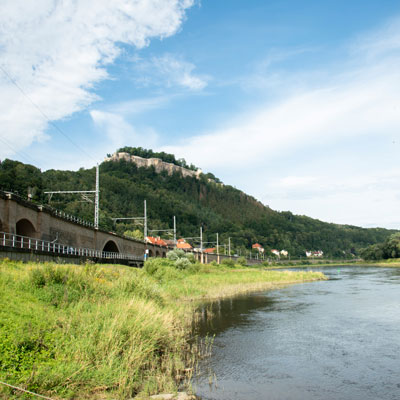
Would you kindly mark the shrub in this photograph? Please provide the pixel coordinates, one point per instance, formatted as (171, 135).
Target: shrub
(174, 255)
(191, 258)
(228, 262)
(152, 265)
(181, 259)
(182, 263)
(242, 261)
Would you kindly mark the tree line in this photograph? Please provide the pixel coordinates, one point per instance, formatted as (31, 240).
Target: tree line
(194, 202)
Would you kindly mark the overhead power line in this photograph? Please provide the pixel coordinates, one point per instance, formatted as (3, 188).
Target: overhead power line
(27, 157)
(44, 115)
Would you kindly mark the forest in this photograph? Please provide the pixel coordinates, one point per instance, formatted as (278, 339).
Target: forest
(389, 249)
(194, 202)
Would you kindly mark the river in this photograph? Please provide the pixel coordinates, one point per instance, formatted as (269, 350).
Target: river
(336, 339)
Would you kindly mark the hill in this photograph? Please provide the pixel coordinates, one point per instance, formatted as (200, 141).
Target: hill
(195, 201)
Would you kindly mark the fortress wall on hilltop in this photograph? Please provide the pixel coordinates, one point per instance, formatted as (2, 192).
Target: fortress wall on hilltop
(157, 163)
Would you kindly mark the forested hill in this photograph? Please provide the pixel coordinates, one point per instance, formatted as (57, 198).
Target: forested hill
(194, 202)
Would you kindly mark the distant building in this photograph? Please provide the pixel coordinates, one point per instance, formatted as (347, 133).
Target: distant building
(276, 252)
(210, 250)
(258, 247)
(170, 243)
(157, 241)
(318, 253)
(284, 253)
(182, 244)
(157, 163)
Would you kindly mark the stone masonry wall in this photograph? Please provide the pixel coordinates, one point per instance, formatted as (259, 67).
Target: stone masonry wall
(158, 164)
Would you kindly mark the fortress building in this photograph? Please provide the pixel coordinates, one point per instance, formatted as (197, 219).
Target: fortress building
(158, 164)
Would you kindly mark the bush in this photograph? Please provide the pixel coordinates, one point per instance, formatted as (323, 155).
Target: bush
(181, 259)
(174, 255)
(228, 262)
(242, 261)
(190, 257)
(182, 263)
(152, 265)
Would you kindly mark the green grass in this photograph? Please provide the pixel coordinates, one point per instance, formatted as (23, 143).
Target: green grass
(99, 332)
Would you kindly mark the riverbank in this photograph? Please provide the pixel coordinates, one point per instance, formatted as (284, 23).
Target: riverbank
(394, 262)
(102, 332)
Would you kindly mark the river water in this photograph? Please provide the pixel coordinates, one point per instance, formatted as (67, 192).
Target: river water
(336, 339)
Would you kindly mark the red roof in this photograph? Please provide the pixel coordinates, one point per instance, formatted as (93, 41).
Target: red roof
(209, 250)
(257, 246)
(157, 241)
(183, 245)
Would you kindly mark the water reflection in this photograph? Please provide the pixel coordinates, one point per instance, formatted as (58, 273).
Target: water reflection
(324, 340)
(221, 315)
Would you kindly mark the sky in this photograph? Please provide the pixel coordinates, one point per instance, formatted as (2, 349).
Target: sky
(295, 103)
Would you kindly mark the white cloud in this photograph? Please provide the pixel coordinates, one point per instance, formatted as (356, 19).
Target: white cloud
(58, 51)
(363, 106)
(297, 181)
(139, 106)
(119, 132)
(358, 101)
(171, 71)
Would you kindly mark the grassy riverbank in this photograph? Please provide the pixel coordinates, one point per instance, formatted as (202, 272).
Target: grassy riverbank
(100, 332)
(393, 262)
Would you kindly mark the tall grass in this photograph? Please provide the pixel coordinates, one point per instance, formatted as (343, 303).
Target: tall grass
(103, 332)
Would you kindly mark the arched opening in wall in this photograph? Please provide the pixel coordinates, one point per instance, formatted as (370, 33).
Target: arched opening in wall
(24, 227)
(150, 253)
(157, 254)
(164, 254)
(111, 247)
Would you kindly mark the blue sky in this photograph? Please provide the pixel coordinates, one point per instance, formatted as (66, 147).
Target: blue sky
(296, 103)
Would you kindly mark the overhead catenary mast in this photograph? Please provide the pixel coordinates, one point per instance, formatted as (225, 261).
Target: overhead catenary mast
(96, 199)
(85, 196)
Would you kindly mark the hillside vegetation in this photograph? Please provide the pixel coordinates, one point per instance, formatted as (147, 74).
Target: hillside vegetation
(194, 202)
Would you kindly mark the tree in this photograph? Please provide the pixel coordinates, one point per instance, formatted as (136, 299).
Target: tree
(136, 234)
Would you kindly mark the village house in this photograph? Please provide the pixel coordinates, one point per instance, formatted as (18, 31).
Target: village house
(258, 247)
(318, 253)
(276, 252)
(182, 244)
(157, 241)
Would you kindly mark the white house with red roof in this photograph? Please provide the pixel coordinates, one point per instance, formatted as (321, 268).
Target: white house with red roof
(258, 247)
(157, 241)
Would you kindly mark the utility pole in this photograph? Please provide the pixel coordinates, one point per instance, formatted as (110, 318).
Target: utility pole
(86, 196)
(201, 245)
(145, 220)
(217, 249)
(229, 246)
(96, 199)
(174, 230)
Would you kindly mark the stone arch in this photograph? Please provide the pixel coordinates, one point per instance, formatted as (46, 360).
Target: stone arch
(164, 254)
(24, 227)
(111, 247)
(150, 253)
(157, 253)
